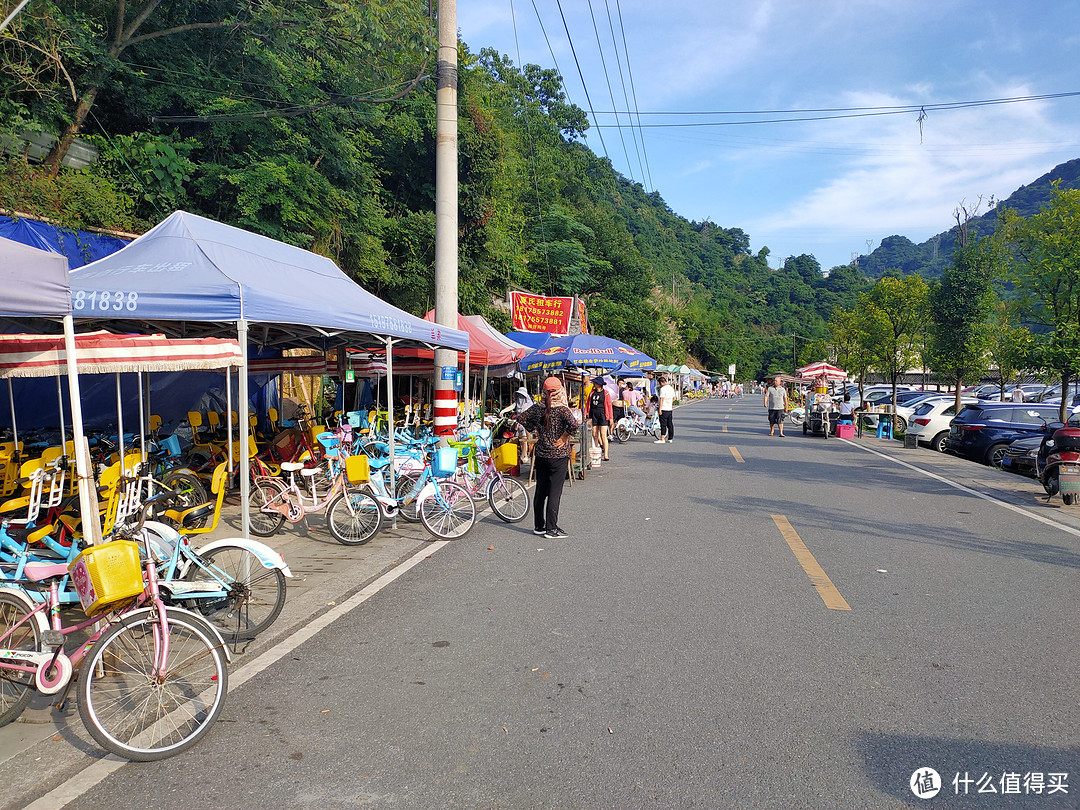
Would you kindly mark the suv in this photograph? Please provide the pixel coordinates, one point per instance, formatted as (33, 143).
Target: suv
(982, 430)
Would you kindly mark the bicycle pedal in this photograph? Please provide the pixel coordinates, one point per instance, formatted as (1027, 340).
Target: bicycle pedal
(53, 638)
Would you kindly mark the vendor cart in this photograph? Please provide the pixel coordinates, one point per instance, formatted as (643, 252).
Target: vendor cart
(821, 414)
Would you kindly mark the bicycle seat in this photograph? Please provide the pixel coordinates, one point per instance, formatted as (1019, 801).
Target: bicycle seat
(308, 472)
(292, 466)
(38, 571)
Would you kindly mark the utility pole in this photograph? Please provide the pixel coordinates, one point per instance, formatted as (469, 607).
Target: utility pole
(446, 216)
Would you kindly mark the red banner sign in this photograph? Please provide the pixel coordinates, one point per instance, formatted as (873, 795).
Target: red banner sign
(582, 318)
(533, 313)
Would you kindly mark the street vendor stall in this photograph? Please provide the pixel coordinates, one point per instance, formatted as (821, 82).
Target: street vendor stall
(821, 412)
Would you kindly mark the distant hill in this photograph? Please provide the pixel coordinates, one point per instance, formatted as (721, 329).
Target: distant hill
(931, 257)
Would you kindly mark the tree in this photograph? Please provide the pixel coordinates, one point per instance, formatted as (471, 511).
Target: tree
(1044, 253)
(959, 308)
(851, 340)
(895, 313)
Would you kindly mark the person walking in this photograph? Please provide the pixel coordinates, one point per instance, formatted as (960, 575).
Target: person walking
(553, 423)
(600, 414)
(776, 402)
(666, 395)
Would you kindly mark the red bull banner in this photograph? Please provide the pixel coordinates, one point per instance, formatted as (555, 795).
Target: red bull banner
(534, 313)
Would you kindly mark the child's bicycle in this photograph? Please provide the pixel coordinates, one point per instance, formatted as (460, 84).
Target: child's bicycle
(482, 474)
(152, 680)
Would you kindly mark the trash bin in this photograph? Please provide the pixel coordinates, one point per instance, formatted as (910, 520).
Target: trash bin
(911, 440)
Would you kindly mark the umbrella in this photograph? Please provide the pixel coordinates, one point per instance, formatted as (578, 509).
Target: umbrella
(816, 371)
(585, 351)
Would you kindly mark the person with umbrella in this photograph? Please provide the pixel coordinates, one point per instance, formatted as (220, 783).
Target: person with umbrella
(554, 423)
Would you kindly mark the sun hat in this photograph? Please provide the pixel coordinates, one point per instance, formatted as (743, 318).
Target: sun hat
(598, 380)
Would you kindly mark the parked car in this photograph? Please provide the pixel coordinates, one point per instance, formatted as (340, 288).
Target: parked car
(1019, 457)
(930, 420)
(983, 430)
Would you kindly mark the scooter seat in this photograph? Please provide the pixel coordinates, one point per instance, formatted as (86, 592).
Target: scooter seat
(203, 510)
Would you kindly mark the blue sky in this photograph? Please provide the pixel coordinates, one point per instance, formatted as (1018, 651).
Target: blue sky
(828, 187)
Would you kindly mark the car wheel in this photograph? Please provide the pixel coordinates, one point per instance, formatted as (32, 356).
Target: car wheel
(938, 442)
(995, 454)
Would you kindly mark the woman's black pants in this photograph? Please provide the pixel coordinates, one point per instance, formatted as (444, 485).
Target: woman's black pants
(550, 477)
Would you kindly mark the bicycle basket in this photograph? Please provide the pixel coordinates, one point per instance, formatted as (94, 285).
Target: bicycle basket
(357, 469)
(106, 575)
(483, 439)
(444, 462)
(505, 456)
(330, 443)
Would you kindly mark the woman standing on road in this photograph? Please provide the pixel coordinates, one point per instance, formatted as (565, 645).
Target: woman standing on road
(554, 424)
(600, 413)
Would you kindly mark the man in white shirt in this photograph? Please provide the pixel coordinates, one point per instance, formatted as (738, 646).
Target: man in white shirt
(776, 403)
(666, 395)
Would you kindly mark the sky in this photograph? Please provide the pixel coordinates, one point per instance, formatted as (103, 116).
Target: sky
(832, 188)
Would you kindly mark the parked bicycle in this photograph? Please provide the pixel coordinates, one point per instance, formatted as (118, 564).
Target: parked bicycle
(484, 476)
(634, 425)
(152, 679)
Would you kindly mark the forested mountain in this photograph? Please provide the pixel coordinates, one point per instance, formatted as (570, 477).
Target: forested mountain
(314, 123)
(931, 257)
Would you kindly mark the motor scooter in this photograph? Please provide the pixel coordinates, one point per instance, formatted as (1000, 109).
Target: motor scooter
(1058, 462)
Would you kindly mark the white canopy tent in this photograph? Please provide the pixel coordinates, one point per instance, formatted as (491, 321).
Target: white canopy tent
(36, 284)
(191, 277)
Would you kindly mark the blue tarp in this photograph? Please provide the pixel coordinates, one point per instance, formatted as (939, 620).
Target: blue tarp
(533, 340)
(80, 247)
(189, 268)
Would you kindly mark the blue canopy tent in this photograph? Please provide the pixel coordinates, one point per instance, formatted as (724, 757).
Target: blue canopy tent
(193, 277)
(532, 340)
(35, 284)
(585, 351)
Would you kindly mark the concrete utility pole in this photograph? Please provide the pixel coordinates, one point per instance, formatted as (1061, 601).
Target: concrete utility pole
(446, 215)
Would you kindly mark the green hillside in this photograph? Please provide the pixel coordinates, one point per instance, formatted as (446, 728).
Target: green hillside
(930, 258)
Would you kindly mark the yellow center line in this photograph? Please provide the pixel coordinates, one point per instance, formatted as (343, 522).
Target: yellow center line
(723, 428)
(735, 453)
(818, 578)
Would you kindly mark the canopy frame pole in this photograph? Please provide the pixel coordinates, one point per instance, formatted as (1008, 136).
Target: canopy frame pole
(390, 418)
(88, 509)
(228, 418)
(14, 426)
(142, 428)
(245, 461)
(120, 422)
(465, 391)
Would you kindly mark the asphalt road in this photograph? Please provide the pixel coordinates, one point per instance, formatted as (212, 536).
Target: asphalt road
(736, 621)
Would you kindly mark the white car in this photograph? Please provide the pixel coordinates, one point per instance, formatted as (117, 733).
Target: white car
(930, 421)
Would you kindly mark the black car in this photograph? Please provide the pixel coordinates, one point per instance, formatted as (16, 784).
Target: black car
(1019, 457)
(982, 431)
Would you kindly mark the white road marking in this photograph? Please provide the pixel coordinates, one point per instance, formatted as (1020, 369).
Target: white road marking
(90, 776)
(1012, 507)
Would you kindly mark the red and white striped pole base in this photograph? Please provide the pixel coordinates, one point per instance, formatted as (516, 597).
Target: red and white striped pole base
(446, 407)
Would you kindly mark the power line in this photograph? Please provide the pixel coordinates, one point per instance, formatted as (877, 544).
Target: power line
(584, 87)
(611, 94)
(633, 132)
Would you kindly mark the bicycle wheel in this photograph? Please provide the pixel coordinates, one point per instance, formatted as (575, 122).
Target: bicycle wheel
(450, 513)
(255, 594)
(622, 432)
(508, 498)
(353, 517)
(190, 492)
(16, 688)
(134, 712)
(263, 491)
(403, 485)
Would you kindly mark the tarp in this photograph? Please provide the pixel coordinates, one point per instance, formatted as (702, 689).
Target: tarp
(189, 268)
(585, 351)
(531, 340)
(34, 282)
(80, 247)
(103, 352)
